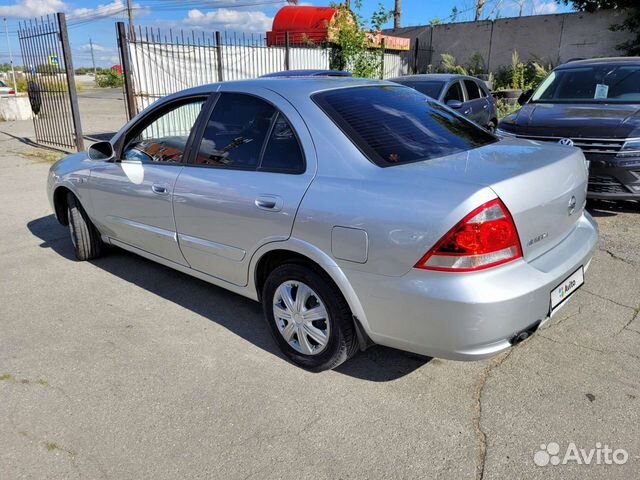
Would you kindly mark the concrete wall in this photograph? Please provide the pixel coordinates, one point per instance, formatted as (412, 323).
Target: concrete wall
(14, 107)
(552, 38)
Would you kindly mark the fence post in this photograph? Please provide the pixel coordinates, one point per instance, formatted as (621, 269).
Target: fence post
(71, 81)
(126, 69)
(219, 51)
(415, 55)
(382, 58)
(287, 61)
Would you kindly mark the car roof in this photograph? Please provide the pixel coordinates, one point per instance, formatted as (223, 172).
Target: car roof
(308, 73)
(443, 77)
(600, 61)
(287, 86)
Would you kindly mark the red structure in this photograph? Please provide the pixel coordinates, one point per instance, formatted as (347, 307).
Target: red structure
(311, 25)
(304, 24)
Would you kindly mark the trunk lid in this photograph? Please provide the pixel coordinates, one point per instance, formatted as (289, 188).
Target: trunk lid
(543, 186)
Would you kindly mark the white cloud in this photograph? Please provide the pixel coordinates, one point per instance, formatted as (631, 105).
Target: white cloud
(543, 7)
(32, 8)
(96, 48)
(232, 20)
(109, 9)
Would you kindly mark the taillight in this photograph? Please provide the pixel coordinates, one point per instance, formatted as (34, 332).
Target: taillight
(485, 238)
(11, 92)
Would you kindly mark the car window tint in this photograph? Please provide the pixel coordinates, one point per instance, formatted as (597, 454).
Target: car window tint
(473, 91)
(431, 88)
(283, 152)
(395, 125)
(236, 131)
(591, 84)
(454, 93)
(164, 138)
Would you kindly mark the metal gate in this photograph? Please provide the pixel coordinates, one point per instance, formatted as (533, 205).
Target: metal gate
(51, 85)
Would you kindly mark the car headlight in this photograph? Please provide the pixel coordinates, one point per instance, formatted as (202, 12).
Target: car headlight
(503, 133)
(631, 148)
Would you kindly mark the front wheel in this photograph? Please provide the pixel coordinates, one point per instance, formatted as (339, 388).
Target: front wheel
(308, 317)
(85, 237)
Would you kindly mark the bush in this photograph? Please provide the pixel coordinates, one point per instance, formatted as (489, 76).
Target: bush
(109, 79)
(505, 108)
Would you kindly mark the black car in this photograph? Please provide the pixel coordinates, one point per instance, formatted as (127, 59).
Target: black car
(594, 105)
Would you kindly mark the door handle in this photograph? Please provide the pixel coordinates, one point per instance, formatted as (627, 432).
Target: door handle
(269, 202)
(159, 189)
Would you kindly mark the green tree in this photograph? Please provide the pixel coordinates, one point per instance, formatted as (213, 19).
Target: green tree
(351, 40)
(631, 22)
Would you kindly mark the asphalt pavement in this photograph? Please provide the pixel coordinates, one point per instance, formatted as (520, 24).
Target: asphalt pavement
(123, 369)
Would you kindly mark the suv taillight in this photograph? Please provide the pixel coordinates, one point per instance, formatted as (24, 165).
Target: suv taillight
(485, 238)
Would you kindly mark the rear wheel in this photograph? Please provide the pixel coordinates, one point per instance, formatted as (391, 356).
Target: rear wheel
(85, 238)
(491, 126)
(308, 317)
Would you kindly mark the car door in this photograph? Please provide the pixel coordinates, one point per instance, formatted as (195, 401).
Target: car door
(476, 102)
(248, 172)
(132, 196)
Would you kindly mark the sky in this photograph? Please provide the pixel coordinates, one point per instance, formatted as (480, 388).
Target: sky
(95, 20)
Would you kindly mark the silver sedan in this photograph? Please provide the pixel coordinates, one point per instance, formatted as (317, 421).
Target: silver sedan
(358, 212)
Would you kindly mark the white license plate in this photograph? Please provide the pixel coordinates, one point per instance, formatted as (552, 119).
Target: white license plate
(563, 291)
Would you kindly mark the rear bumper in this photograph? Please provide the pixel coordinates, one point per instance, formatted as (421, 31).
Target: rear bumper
(614, 180)
(469, 316)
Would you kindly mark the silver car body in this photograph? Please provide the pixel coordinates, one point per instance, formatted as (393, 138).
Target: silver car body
(365, 226)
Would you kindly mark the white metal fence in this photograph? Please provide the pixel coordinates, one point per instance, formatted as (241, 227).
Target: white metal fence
(159, 63)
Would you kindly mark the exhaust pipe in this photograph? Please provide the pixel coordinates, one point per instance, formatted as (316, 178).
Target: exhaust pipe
(524, 334)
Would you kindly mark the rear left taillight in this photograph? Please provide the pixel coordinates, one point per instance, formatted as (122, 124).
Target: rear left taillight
(485, 238)
(11, 92)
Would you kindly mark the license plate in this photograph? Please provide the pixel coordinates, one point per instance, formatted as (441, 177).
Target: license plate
(562, 292)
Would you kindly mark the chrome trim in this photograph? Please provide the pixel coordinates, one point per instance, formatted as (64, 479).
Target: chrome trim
(607, 146)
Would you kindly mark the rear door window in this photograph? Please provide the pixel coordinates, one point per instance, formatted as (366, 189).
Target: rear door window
(236, 132)
(454, 93)
(395, 125)
(472, 89)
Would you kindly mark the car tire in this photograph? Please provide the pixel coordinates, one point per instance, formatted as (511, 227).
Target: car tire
(491, 126)
(340, 339)
(85, 237)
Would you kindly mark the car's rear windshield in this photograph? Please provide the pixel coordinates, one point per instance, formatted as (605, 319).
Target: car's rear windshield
(591, 84)
(394, 125)
(431, 88)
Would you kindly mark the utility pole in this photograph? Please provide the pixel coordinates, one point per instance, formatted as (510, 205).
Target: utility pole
(93, 61)
(130, 15)
(397, 13)
(13, 72)
(479, 7)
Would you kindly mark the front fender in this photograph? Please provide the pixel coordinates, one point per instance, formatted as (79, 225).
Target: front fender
(71, 173)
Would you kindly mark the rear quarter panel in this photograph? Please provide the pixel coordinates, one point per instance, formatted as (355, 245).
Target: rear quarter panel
(403, 214)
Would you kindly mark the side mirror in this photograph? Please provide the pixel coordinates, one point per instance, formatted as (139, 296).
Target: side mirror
(455, 104)
(525, 96)
(101, 151)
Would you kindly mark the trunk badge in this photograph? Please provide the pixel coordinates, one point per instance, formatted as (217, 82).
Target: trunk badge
(572, 205)
(567, 142)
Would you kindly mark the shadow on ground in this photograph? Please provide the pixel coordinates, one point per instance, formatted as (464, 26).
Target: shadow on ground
(234, 312)
(605, 208)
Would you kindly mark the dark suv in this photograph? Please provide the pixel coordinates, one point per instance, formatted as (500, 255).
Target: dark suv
(594, 105)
